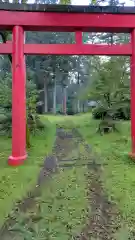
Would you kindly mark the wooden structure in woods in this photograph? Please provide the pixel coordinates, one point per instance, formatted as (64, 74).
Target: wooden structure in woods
(19, 18)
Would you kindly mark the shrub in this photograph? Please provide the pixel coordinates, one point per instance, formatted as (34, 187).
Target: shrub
(120, 113)
(99, 113)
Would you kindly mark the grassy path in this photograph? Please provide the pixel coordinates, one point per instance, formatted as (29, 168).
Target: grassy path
(69, 203)
(117, 173)
(58, 208)
(89, 197)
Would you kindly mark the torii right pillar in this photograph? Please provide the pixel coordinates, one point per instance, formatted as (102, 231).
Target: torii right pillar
(132, 87)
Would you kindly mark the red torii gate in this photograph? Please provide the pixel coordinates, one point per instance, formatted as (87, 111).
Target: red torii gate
(19, 18)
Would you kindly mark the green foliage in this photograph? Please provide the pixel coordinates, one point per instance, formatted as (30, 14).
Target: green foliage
(31, 93)
(110, 88)
(5, 90)
(5, 103)
(94, 2)
(100, 112)
(33, 121)
(65, 2)
(28, 144)
(5, 123)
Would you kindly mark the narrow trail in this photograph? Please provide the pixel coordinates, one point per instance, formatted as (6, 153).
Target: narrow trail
(104, 217)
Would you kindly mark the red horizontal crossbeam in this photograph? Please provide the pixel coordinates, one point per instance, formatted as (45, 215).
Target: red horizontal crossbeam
(70, 49)
(97, 22)
(5, 48)
(77, 49)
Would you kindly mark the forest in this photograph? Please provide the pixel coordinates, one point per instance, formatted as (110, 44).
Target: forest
(70, 84)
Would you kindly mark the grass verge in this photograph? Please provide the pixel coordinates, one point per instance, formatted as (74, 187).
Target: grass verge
(16, 182)
(118, 170)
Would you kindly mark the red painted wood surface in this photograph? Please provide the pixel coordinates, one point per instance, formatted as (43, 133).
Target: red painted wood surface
(5, 48)
(18, 99)
(77, 49)
(96, 22)
(70, 49)
(133, 92)
(79, 37)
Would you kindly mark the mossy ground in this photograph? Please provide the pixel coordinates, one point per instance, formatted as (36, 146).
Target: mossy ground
(66, 188)
(16, 182)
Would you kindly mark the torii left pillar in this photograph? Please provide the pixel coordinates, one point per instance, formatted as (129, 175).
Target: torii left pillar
(18, 99)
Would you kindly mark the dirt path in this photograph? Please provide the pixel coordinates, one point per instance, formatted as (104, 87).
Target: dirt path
(104, 218)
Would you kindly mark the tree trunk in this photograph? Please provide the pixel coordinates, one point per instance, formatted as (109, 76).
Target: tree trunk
(78, 82)
(64, 100)
(83, 107)
(45, 98)
(54, 96)
(78, 106)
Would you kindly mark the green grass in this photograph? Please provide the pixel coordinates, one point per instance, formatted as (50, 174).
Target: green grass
(66, 192)
(65, 121)
(16, 182)
(112, 151)
(68, 195)
(118, 170)
(63, 206)
(63, 201)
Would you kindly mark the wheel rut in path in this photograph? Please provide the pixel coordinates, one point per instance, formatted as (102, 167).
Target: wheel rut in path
(103, 219)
